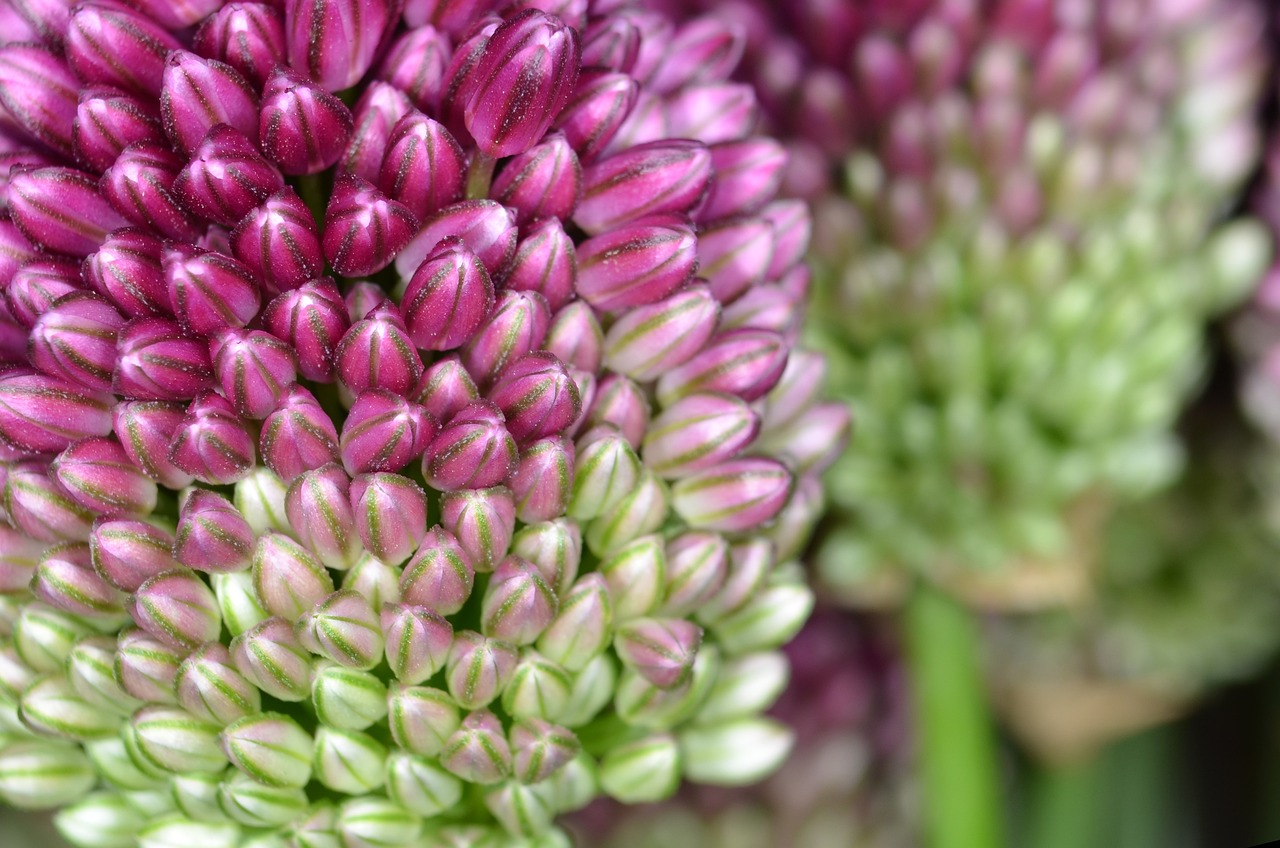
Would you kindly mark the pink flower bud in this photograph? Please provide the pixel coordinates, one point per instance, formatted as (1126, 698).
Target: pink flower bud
(146, 667)
(210, 687)
(41, 508)
(288, 579)
(98, 475)
(815, 441)
(146, 429)
(706, 49)
(226, 177)
(748, 175)
(212, 534)
(446, 388)
(540, 749)
(345, 628)
(647, 342)
(516, 326)
(416, 64)
(746, 363)
(479, 669)
(636, 265)
(304, 128)
(298, 435)
(176, 14)
(39, 92)
(713, 113)
(280, 243)
(364, 229)
(319, 508)
(448, 296)
(537, 396)
(424, 168)
(76, 340)
(156, 362)
(213, 444)
(478, 751)
(737, 495)
(623, 404)
(126, 270)
(439, 577)
(474, 450)
(792, 228)
(697, 432)
(659, 177)
(44, 414)
(647, 122)
(209, 291)
(483, 521)
(376, 112)
(455, 17)
(140, 186)
(575, 337)
(65, 579)
(36, 285)
(270, 655)
(543, 182)
(111, 45)
(108, 122)
(661, 650)
(38, 20)
(15, 250)
(61, 210)
(520, 83)
(733, 256)
(697, 566)
(543, 481)
(486, 228)
(199, 93)
(601, 102)
(254, 369)
(19, 555)
(766, 307)
(177, 608)
(384, 432)
(312, 319)
(376, 353)
(247, 36)
(334, 42)
(390, 515)
(362, 298)
(518, 603)
(418, 642)
(544, 262)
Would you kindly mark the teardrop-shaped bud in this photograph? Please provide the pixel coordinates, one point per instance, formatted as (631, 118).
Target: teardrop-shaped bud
(108, 122)
(390, 515)
(422, 719)
(176, 14)
(621, 403)
(516, 326)
(734, 256)
(541, 749)
(543, 481)
(289, 579)
(746, 363)
(213, 444)
(91, 672)
(659, 177)
(97, 473)
(478, 751)
(212, 534)
(661, 650)
(38, 20)
(65, 579)
(487, 229)
(544, 262)
(416, 64)
(518, 603)
(155, 361)
(199, 93)
(298, 435)
(644, 771)
(454, 17)
(483, 521)
(644, 509)
(312, 319)
(76, 340)
(319, 509)
(479, 669)
(209, 291)
(737, 495)
(41, 508)
(247, 36)
(575, 337)
(440, 576)
(61, 210)
(704, 50)
(363, 297)
(583, 627)
(543, 182)
(111, 45)
(39, 92)
(600, 104)
(606, 469)
(270, 655)
(254, 369)
(44, 774)
(792, 228)
(177, 608)
(423, 168)
(636, 265)
(474, 450)
(44, 638)
(279, 242)
(636, 577)
(249, 803)
(145, 429)
(364, 230)
(44, 414)
(345, 628)
(19, 555)
(523, 812)
(448, 296)
(697, 567)
(713, 113)
(347, 698)
(384, 432)
(128, 553)
(334, 42)
(226, 177)
(555, 547)
(748, 175)
(446, 388)
(15, 250)
(376, 112)
(537, 396)
(35, 287)
(304, 129)
(646, 123)
(349, 761)
(698, 432)
(126, 270)
(146, 667)
(140, 186)
(210, 687)
(417, 641)
(271, 748)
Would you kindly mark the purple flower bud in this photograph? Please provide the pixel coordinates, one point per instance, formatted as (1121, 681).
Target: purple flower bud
(176, 14)
(544, 262)
(289, 580)
(478, 751)
(145, 430)
(376, 112)
(304, 128)
(270, 655)
(555, 547)
(647, 122)
(38, 20)
(199, 93)
(746, 363)
(583, 627)
(36, 285)
(792, 228)
(177, 608)
(520, 83)
(418, 642)
(362, 298)
(697, 566)
(661, 650)
(312, 319)
(39, 92)
(364, 229)
(76, 340)
(384, 432)
(270, 748)
(15, 250)
(541, 749)
(210, 687)
(247, 36)
(747, 176)
(439, 577)
(376, 353)
(659, 177)
(642, 510)
(254, 369)
(455, 17)
(486, 228)
(345, 628)
(213, 444)
(543, 481)
(146, 668)
(38, 506)
(446, 388)
(606, 469)
(226, 178)
(61, 210)
(416, 64)
(636, 265)
(537, 396)
(697, 432)
(737, 495)
(424, 168)
(575, 337)
(518, 603)
(703, 50)
(13, 339)
(543, 182)
(98, 475)
(126, 270)
(483, 521)
(128, 553)
(622, 403)
(298, 435)
(108, 122)
(140, 186)
(65, 579)
(390, 515)
(319, 508)
(44, 414)
(209, 291)
(333, 42)
(111, 45)
(279, 242)
(447, 297)
(713, 113)
(478, 670)
(473, 450)
(601, 102)
(212, 534)
(766, 307)
(156, 362)
(516, 326)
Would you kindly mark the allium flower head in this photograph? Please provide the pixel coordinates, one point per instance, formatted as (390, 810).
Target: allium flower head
(400, 430)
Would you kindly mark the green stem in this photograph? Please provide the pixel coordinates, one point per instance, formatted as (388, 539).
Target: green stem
(954, 735)
(480, 175)
(314, 190)
(1064, 806)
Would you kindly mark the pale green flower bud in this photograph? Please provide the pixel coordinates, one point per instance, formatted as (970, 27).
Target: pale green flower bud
(100, 820)
(573, 786)
(172, 739)
(196, 796)
(41, 775)
(593, 687)
(418, 641)
(768, 621)
(539, 688)
(110, 756)
(643, 771)
(260, 497)
(641, 703)
(421, 719)
(178, 832)
(237, 600)
(52, 708)
(605, 470)
(91, 671)
(349, 761)
(421, 785)
(734, 753)
(555, 547)
(44, 637)
(584, 626)
(520, 809)
(374, 579)
(270, 748)
(541, 749)
(747, 685)
(317, 829)
(346, 698)
(377, 823)
(643, 509)
(252, 804)
(478, 751)
(15, 675)
(636, 575)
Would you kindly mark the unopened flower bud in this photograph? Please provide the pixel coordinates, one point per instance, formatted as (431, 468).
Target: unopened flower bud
(659, 177)
(76, 340)
(98, 475)
(212, 444)
(51, 707)
(390, 514)
(440, 575)
(734, 753)
(212, 534)
(479, 669)
(374, 579)
(384, 432)
(155, 361)
(543, 480)
(478, 751)
(198, 93)
(177, 608)
(635, 265)
(539, 688)
(249, 803)
(518, 604)
(347, 698)
(126, 270)
(473, 450)
(516, 326)
(36, 285)
(644, 771)
(377, 353)
(247, 36)
(345, 628)
(173, 740)
(226, 177)
(270, 748)
(446, 388)
(318, 505)
(600, 104)
(210, 687)
(416, 64)
(298, 436)
(44, 774)
(279, 242)
(542, 182)
(209, 291)
(606, 469)
(417, 641)
(237, 601)
(375, 113)
(288, 578)
(312, 319)
(661, 650)
(304, 128)
(335, 42)
(420, 785)
(91, 671)
(486, 228)
(41, 508)
(260, 498)
(733, 496)
(748, 175)
(65, 579)
(271, 656)
(746, 363)
(253, 369)
(363, 228)
(555, 547)
(349, 761)
(45, 414)
(146, 667)
(635, 576)
(448, 296)
(483, 521)
(100, 820)
(377, 823)
(642, 510)
(544, 262)
(522, 811)
(698, 432)
(139, 184)
(423, 168)
(61, 209)
(38, 91)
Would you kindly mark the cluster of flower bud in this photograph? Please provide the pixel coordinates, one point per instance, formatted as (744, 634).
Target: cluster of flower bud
(367, 470)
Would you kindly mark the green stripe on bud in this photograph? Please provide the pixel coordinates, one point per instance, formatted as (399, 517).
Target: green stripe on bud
(643, 771)
(538, 689)
(421, 785)
(735, 753)
(110, 756)
(421, 718)
(747, 685)
(44, 636)
(270, 748)
(91, 671)
(346, 629)
(196, 796)
(521, 810)
(768, 621)
(51, 707)
(347, 698)
(349, 761)
(644, 704)
(642, 510)
(172, 739)
(175, 831)
(237, 600)
(377, 823)
(593, 688)
(584, 626)
(635, 575)
(41, 775)
(251, 804)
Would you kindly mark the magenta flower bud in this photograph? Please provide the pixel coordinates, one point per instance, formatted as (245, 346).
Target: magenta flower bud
(76, 340)
(622, 403)
(416, 64)
(15, 250)
(423, 168)
(41, 508)
(636, 265)
(156, 362)
(384, 432)
(65, 579)
(446, 388)
(555, 547)
(583, 627)
(478, 751)
(474, 450)
(177, 608)
(176, 14)
(254, 369)
(39, 92)
(479, 668)
(454, 17)
(647, 122)
(518, 603)
(304, 129)
(200, 93)
(108, 122)
(659, 177)
(112, 45)
(748, 175)
(439, 577)
(713, 113)
(270, 655)
(213, 444)
(288, 579)
(333, 42)
(448, 296)
(544, 262)
(362, 298)
(36, 285)
(766, 307)
(814, 442)
(226, 177)
(537, 396)
(146, 668)
(209, 686)
(543, 182)
(792, 228)
(13, 338)
(733, 256)
(345, 628)
(698, 432)
(601, 102)
(661, 650)
(98, 475)
(298, 435)
(737, 495)
(418, 641)
(247, 36)
(517, 326)
(126, 270)
(543, 481)
(520, 83)
(319, 508)
(746, 363)
(697, 566)
(390, 515)
(61, 210)
(483, 521)
(44, 414)
(312, 319)
(38, 20)
(279, 242)
(128, 553)
(377, 353)
(575, 337)
(364, 229)
(145, 430)
(706, 49)
(209, 291)
(540, 749)
(140, 186)
(486, 228)
(212, 534)
(376, 112)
